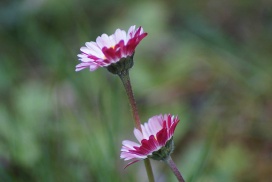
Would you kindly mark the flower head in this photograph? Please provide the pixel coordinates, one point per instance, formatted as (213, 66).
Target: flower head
(108, 50)
(156, 140)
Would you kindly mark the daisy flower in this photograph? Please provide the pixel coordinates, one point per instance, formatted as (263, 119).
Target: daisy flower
(156, 140)
(109, 50)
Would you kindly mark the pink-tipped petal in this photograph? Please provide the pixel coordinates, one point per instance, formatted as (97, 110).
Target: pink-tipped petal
(86, 65)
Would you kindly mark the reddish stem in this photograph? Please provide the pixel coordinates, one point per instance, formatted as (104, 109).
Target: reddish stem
(174, 168)
(126, 82)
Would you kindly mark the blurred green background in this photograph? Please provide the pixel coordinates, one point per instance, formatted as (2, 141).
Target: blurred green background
(209, 62)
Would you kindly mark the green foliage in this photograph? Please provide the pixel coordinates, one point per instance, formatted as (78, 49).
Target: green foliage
(209, 62)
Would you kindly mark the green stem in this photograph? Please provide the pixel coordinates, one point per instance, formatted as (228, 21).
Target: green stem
(149, 170)
(174, 168)
(124, 76)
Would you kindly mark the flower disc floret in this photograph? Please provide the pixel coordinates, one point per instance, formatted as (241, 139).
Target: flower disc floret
(156, 139)
(108, 50)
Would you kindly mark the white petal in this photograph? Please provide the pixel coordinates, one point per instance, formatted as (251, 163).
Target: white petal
(130, 144)
(84, 65)
(120, 35)
(155, 124)
(146, 131)
(96, 51)
(131, 32)
(105, 41)
(86, 50)
(81, 55)
(128, 156)
(85, 59)
(93, 67)
(142, 30)
(138, 135)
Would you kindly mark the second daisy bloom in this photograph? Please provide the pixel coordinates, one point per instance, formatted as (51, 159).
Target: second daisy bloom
(155, 139)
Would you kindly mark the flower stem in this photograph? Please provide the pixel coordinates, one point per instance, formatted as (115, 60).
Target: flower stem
(174, 168)
(149, 170)
(126, 82)
(124, 76)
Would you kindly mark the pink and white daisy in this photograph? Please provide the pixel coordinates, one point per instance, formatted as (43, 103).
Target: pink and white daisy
(110, 49)
(155, 140)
